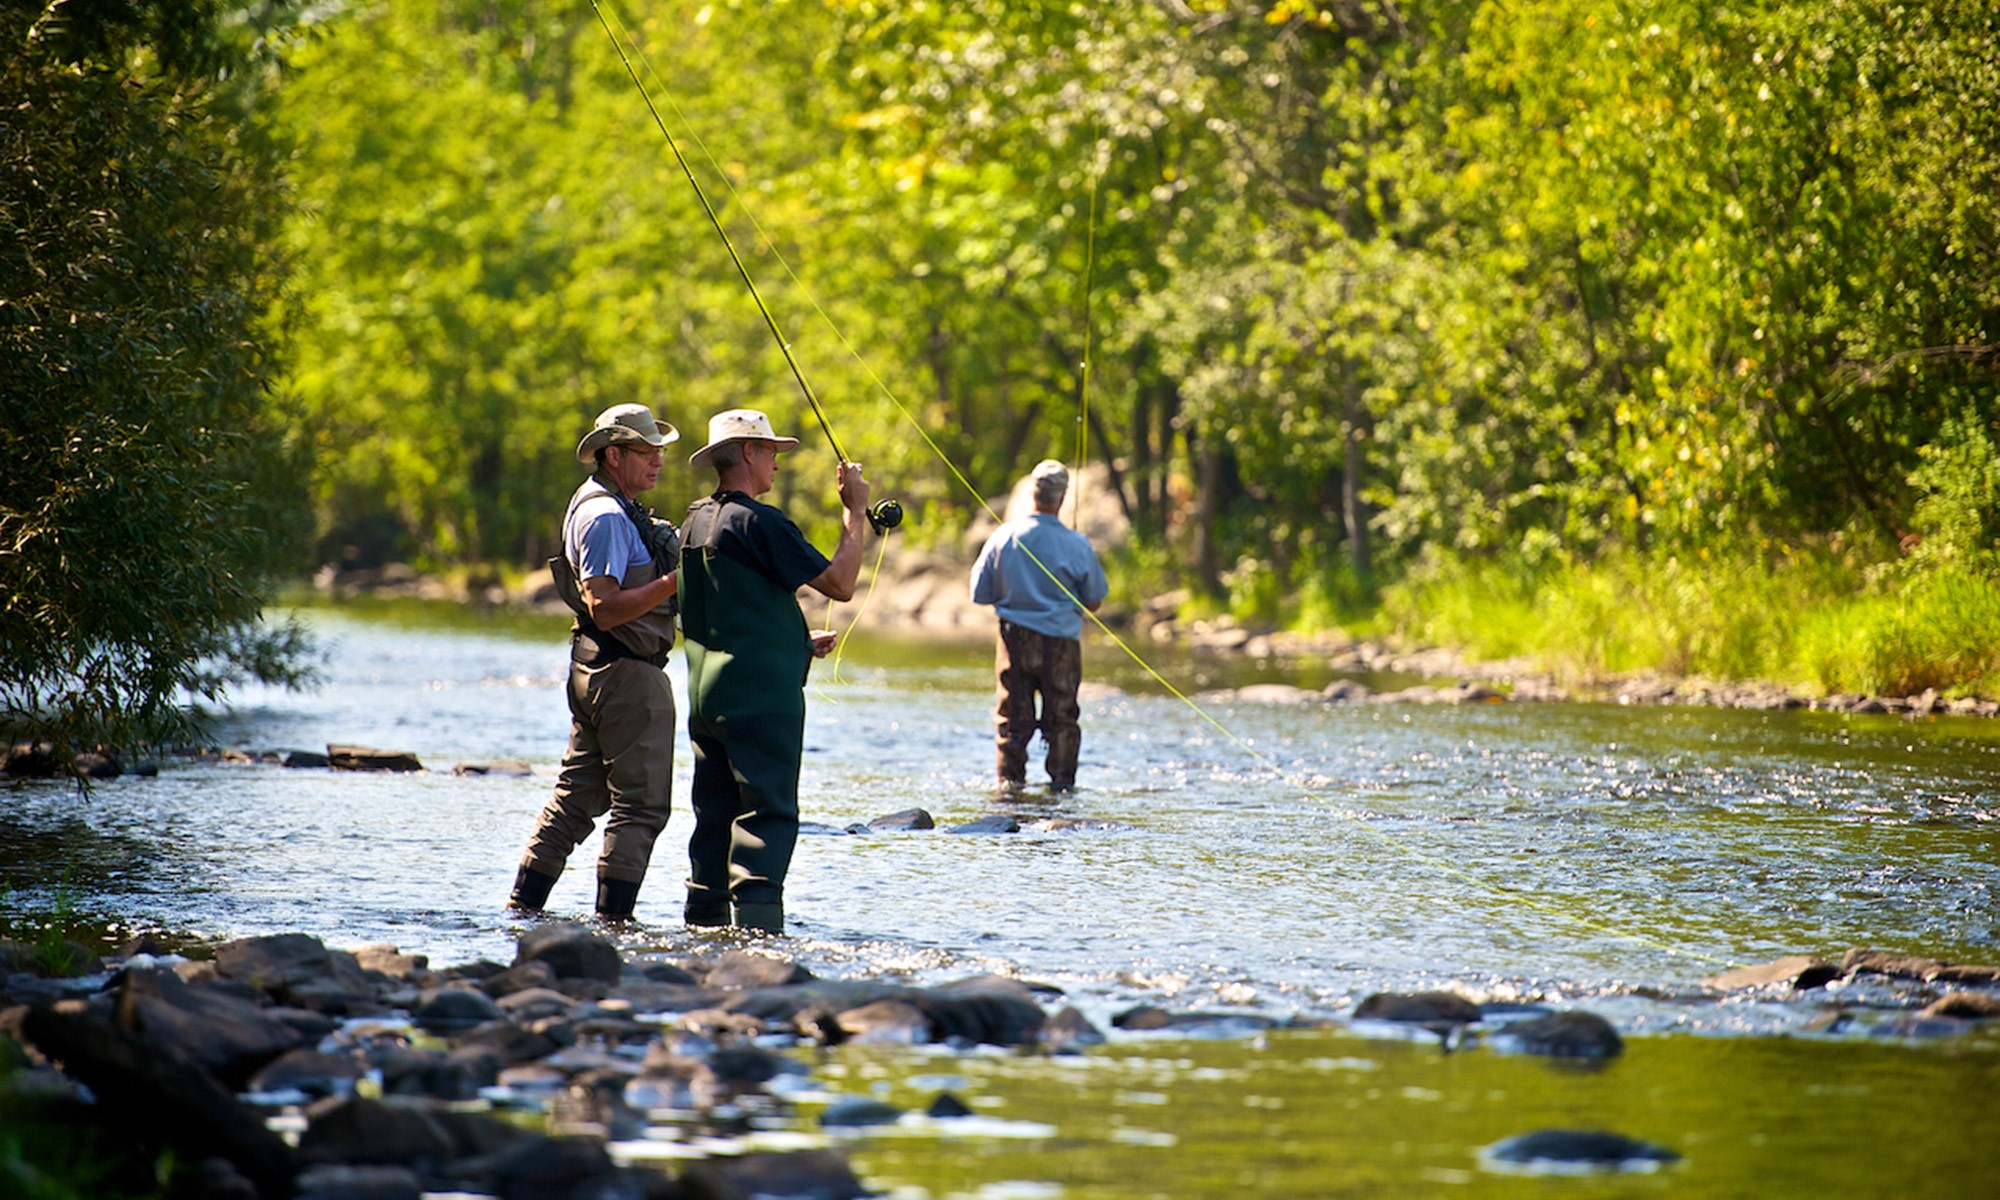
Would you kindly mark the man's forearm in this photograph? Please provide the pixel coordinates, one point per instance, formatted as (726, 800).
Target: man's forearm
(611, 605)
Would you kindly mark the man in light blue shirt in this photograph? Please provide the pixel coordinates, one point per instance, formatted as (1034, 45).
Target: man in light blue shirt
(1036, 572)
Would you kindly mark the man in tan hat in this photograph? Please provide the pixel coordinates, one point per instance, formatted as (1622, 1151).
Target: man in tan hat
(1036, 572)
(748, 653)
(617, 571)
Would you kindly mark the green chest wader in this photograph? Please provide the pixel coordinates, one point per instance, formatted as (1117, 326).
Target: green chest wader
(747, 653)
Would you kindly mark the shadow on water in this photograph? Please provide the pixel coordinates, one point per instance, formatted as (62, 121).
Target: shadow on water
(1285, 865)
(1315, 1114)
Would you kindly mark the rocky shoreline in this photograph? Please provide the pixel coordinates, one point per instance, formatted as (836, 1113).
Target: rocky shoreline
(924, 592)
(276, 1067)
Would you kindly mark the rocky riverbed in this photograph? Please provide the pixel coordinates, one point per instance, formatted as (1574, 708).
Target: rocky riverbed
(593, 1065)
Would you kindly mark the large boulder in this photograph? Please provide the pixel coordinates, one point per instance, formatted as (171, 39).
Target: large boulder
(157, 1091)
(571, 951)
(988, 1009)
(228, 1037)
(392, 1131)
(295, 968)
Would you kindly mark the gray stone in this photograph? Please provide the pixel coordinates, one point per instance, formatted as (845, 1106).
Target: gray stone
(391, 1131)
(1418, 1007)
(453, 1009)
(885, 1023)
(227, 1036)
(999, 823)
(1972, 1005)
(1563, 1035)
(743, 969)
(907, 819)
(391, 961)
(852, 1112)
(139, 1085)
(795, 1175)
(1801, 972)
(309, 1071)
(530, 1004)
(1068, 1031)
(571, 951)
(339, 1181)
(987, 1009)
(368, 758)
(1579, 1147)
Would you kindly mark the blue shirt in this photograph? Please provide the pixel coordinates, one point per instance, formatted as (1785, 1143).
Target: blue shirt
(1025, 567)
(598, 537)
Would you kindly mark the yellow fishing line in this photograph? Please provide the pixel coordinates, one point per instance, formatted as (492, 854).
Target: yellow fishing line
(1400, 845)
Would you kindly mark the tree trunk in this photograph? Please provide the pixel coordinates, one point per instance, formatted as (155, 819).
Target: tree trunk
(1352, 514)
(1208, 472)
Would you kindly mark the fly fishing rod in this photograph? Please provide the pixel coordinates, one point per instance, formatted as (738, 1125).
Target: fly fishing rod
(883, 515)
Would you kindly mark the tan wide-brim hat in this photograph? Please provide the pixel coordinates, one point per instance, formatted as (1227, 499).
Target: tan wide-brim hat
(623, 423)
(738, 425)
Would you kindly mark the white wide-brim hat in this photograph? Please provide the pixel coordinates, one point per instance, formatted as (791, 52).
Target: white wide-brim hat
(738, 425)
(623, 423)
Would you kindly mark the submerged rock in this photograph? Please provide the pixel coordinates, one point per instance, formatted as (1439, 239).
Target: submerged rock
(1418, 1008)
(1862, 961)
(1802, 972)
(909, 818)
(856, 1111)
(1000, 823)
(1577, 1150)
(368, 758)
(795, 1175)
(1977, 1006)
(1562, 1035)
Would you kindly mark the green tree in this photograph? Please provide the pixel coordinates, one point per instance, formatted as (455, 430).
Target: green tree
(146, 492)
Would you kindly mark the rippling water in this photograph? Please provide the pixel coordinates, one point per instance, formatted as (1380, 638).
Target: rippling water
(1282, 860)
(1286, 858)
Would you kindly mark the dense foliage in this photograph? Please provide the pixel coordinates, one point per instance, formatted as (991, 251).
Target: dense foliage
(1367, 290)
(144, 487)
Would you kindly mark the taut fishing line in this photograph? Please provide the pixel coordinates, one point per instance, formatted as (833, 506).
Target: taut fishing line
(1443, 866)
(1089, 275)
(884, 515)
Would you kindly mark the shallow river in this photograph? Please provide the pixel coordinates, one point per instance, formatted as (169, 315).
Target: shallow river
(1276, 859)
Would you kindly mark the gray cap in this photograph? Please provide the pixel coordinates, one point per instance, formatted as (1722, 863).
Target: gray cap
(1051, 480)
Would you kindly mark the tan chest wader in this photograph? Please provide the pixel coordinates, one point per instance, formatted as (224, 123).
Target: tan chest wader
(748, 653)
(619, 763)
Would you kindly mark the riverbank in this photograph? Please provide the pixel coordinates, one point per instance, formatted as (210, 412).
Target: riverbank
(602, 1062)
(923, 592)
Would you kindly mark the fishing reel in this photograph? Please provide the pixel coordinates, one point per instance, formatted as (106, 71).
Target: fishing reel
(884, 515)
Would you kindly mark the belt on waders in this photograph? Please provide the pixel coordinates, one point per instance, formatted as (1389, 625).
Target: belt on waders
(590, 646)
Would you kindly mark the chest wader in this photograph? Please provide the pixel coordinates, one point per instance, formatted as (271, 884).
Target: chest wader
(748, 653)
(619, 763)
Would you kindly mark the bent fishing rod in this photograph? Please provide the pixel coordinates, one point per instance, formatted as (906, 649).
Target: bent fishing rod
(883, 515)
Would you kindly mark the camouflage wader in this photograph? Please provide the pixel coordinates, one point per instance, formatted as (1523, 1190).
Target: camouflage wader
(1031, 664)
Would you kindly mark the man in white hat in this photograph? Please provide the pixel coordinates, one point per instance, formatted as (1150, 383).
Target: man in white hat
(617, 571)
(748, 651)
(1035, 572)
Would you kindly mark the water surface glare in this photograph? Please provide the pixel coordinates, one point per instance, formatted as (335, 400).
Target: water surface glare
(1275, 860)
(1284, 858)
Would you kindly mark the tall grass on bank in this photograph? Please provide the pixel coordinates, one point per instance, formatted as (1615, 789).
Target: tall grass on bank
(1817, 620)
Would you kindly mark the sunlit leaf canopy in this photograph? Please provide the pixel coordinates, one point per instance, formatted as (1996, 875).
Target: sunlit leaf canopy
(1566, 275)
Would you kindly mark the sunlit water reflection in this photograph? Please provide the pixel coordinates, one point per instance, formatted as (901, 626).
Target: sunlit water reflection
(1283, 858)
